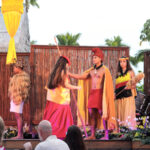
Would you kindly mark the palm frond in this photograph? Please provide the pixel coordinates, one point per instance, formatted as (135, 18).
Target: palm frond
(145, 33)
(116, 41)
(68, 39)
(139, 57)
(33, 42)
(133, 61)
(34, 3)
(140, 54)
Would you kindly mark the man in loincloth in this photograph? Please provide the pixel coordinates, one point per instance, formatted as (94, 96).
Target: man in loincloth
(101, 95)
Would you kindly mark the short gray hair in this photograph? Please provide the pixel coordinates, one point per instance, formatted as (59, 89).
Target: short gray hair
(2, 127)
(45, 126)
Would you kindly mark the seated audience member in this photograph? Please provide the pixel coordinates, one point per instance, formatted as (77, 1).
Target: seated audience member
(48, 141)
(2, 127)
(74, 138)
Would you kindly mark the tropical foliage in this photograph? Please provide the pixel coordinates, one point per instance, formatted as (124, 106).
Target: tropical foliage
(68, 39)
(33, 42)
(145, 36)
(31, 2)
(145, 33)
(116, 41)
(139, 57)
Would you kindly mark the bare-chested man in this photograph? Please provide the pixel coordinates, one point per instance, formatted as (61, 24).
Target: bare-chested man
(100, 101)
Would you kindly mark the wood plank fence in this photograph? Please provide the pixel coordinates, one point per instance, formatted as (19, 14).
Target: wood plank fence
(39, 63)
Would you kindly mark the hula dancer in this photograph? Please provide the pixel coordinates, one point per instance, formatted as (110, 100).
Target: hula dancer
(125, 95)
(57, 109)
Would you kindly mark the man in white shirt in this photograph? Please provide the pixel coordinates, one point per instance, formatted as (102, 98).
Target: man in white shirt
(49, 141)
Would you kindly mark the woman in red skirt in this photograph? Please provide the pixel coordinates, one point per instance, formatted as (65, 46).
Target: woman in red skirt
(57, 109)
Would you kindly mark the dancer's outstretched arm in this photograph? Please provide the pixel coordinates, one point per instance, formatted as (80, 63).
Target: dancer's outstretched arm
(79, 76)
(70, 86)
(73, 87)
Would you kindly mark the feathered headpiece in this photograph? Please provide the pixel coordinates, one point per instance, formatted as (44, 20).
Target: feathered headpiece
(98, 52)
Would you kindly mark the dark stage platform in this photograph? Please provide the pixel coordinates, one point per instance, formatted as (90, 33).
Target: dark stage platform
(90, 144)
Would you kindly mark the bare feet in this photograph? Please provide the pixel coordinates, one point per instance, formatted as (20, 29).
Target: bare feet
(17, 138)
(90, 138)
(122, 136)
(104, 138)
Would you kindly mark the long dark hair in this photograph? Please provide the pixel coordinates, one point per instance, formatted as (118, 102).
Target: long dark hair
(119, 70)
(56, 77)
(74, 138)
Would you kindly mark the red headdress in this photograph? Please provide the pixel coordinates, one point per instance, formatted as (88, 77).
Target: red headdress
(98, 52)
(69, 63)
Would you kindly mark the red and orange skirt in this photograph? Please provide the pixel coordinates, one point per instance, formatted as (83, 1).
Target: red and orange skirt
(60, 117)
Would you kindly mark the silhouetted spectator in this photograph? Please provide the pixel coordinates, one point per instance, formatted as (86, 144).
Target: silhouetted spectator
(2, 127)
(74, 138)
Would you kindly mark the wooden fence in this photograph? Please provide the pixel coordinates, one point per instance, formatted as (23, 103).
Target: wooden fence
(39, 63)
(147, 73)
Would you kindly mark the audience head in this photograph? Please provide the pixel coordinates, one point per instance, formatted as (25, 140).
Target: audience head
(44, 129)
(2, 127)
(74, 138)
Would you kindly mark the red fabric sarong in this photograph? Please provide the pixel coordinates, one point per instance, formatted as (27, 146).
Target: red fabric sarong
(59, 116)
(95, 99)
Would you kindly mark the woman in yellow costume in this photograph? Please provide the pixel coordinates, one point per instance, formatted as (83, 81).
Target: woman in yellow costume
(57, 109)
(125, 97)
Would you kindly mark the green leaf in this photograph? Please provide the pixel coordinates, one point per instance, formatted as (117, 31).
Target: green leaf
(68, 39)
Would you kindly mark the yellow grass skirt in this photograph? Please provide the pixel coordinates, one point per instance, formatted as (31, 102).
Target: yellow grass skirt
(126, 112)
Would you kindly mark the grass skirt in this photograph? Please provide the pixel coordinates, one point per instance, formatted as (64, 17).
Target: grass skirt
(126, 112)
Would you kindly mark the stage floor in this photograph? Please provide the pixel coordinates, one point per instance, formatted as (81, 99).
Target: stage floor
(90, 144)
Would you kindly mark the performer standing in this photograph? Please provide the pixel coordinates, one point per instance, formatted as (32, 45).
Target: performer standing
(18, 92)
(125, 101)
(57, 109)
(101, 96)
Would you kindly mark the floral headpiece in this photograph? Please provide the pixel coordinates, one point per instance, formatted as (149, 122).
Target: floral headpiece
(124, 58)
